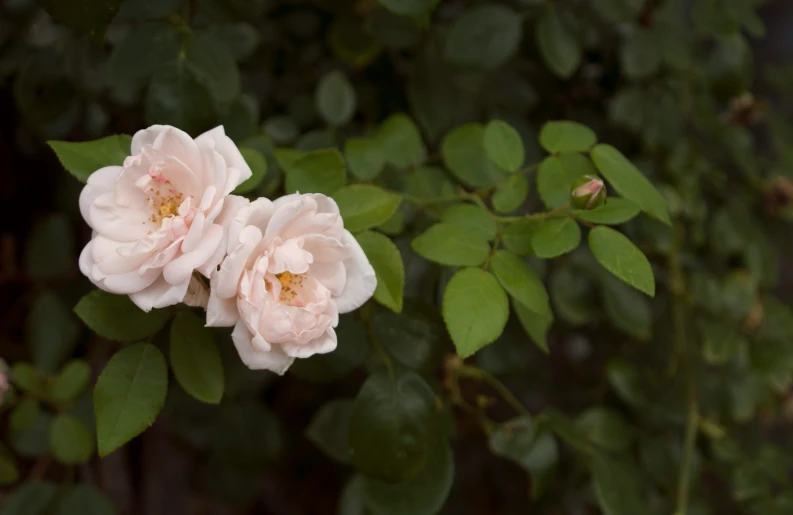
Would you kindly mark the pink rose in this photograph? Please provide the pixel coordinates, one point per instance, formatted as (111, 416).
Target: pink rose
(159, 217)
(291, 269)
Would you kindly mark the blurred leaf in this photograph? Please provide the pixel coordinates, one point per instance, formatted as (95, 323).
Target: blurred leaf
(351, 501)
(71, 381)
(128, 395)
(622, 258)
(520, 281)
(570, 292)
(229, 10)
(364, 206)
(565, 137)
(26, 377)
(49, 250)
(560, 49)
(116, 317)
(320, 171)
(415, 337)
(627, 309)
(240, 39)
(620, 11)
(282, 129)
(473, 218)
(176, 96)
(212, 65)
(364, 157)
(629, 182)
(388, 267)
(464, 154)
(511, 194)
(615, 211)
(91, 17)
(641, 54)
(33, 441)
(616, 486)
(330, 427)
(335, 98)
(84, 158)
(625, 380)
(51, 331)
(25, 414)
(258, 164)
(146, 49)
(535, 324)
(430, 185)
(195, 360)
(351, 42)
(451, 245)
(241, 119)
(519, 441)
(475, 309)
(565, 429)
(720, 342)
(400, 141)
(484, 37)
(504, 146)
(30, 498)
(391, 424)
(555, 237)
(85, 500)
(411, 8)
(71, 442)
(351, 350)
(8, 471)
(556, 175)
(423, 494)
(517, 236)
(605, 428)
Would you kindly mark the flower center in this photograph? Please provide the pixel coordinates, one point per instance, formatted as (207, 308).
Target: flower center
(290, 288)
(165, 205)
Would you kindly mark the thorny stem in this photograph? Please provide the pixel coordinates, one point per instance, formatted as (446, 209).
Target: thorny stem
(477, 373)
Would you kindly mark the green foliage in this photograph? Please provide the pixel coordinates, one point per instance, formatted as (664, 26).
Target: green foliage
(195, 359)
(320, 171)
(363, 206)
(484, 37)
(84, 158)
(388, 267)
(621, 257)
(128, 395)
(564, 137)
(71, 442)
(115, 317)
(504, 146)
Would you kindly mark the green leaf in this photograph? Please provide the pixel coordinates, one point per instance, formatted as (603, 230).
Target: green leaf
(49, 250)
(365, 158)
(519, 441)
(71, 442)
(555, 237)
(258, 165)
(536, 325)
(320, 171)
(195, 359)
(90, 17)
(472, 218)
(351, 350)
(628, 310)
(520, 281)
(400, 141)
(464, 154)
(9, 473)
(212, 65)
(558, 137)
(335, 98)
(240, 39)
(25, 414)
(605, 428)
(71, 381)
(511, 194)
(30, 498)
(616, 486)
(423, 494)
(451, 245)
(51, 331)
(620, 11)
(556, 175)
(412, 8)
(615, 211)
(129, 394)
(115, 317)
(560, 49)
(641, 54)
(84, 158)
(27, 377)
(391, 424)
(364, 206)
(158, 42)
(330, 429)
(475, 309)
(565, 429)
(721, 342)
(430, 185)
(85, 500)
(415, 337)
(504, 146)
(629, 182)
(517, 236)
(626, 382)
(176, 96)
(621, 257)
(282, 129)
(351, 500)
(484, 37)
(386, 260)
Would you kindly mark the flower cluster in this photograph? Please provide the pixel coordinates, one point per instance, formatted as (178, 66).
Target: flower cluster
(280, 271)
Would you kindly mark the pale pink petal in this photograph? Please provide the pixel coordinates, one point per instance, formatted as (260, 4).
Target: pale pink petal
(361, 279)
(195, 234)
(99, 182)
(130, 282)
(86, 260)
(286, 213)
(180, 269)
(275, 360)
(146, 137)
(220, 312)
(109, 260)
(333, 276)
(226, 280)
(178, 144)
(159, 294)
(326, 249)
(119, 223)
(224, 146)
(323, 344)
(290, 257)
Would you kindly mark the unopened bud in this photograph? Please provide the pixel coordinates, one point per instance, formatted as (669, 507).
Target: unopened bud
(588, 192)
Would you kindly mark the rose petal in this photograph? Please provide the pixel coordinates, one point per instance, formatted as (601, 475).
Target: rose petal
(180, 269)
(361, 279)
(275, 360)
(159, 294)
(99, 182)
(224, 146)
(226, 280)
(322, 345)
(333, 276)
